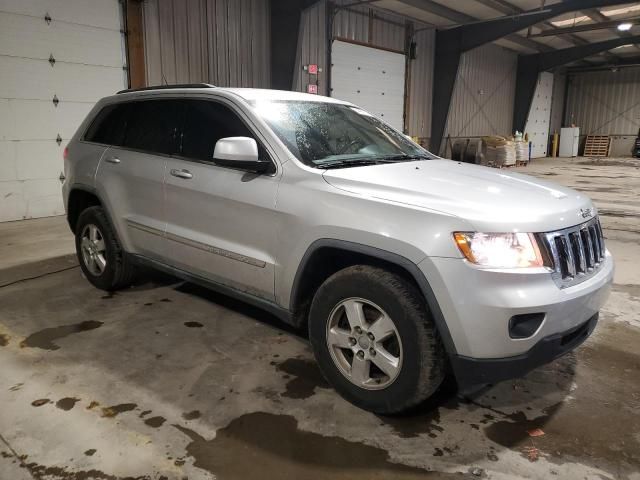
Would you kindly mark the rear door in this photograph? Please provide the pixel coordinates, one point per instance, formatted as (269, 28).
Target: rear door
(131, 174)
(221, 222)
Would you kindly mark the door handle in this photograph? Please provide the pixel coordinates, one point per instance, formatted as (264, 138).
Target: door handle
(181, 173)
(113, 160)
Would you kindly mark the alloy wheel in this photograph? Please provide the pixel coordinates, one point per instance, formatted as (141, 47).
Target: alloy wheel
(364, 343)
(93, 249)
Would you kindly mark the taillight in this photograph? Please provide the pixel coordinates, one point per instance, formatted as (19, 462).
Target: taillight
(65, 157)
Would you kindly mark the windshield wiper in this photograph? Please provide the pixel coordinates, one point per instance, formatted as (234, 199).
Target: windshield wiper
(404, 157)
(354, 162)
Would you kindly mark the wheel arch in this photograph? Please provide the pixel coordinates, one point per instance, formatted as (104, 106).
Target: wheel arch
(81, 197)
(327, 256)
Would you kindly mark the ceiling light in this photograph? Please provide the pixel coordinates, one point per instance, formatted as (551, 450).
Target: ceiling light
(623, 27)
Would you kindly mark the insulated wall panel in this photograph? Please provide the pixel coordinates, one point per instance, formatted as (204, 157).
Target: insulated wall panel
(538, 120)
(57, 58)
(370, 78)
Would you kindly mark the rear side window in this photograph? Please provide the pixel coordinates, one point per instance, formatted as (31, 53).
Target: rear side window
(207, 122)
(109, 125)
(152, 125)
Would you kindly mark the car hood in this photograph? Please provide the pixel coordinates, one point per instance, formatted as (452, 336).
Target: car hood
(490, 199)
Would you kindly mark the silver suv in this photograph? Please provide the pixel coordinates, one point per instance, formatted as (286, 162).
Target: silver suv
(402, 266)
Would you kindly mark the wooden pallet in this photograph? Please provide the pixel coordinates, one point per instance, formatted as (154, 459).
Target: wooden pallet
(597, 146)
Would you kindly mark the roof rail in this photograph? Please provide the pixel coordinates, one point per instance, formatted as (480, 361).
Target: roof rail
(164, 87)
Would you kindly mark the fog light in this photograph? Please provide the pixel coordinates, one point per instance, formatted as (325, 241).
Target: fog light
(525, 325)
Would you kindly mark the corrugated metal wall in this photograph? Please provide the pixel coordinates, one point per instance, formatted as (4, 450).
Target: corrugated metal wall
(371, 26)
(223, 42)
(605, 103)
(378, 29)
(421, 85)
(226, 43)
(557, 102)
(483, 97)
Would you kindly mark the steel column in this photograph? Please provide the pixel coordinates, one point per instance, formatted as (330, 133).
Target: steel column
(285, 24)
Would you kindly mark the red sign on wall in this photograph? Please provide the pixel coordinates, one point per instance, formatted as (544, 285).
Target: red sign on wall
(313, 69)
(312, 88)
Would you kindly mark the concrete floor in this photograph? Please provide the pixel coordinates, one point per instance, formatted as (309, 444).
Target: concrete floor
(168, 381)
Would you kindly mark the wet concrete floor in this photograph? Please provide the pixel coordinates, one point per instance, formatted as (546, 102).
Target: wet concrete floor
(168, 381)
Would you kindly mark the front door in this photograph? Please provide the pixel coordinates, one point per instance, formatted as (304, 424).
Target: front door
(221, 222)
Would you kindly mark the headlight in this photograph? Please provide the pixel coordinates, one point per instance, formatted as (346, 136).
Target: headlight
(500, 250)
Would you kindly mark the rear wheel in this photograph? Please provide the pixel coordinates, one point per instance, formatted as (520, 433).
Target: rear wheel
(101, 257)
(375, 340)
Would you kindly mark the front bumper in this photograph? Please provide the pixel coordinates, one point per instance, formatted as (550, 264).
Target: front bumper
(475, 371)
(477, 304)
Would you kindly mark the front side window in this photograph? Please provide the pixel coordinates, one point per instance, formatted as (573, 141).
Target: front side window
(205, 123)
(331, 135)
(152, 125)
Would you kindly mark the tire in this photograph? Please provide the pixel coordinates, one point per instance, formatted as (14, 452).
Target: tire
(414, 346)
(117, 272)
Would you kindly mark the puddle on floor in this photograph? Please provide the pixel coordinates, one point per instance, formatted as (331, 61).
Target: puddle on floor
(191, 415)
(193, 324)
(598, 420)
(262, 445)
(307, 377)
(425, 419)
(513, 431)
(44, 339)
(155, 422)
(67, 403)
(611, 163)
(61, 473)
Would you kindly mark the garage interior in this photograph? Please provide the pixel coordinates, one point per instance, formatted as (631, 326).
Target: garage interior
(167, 380)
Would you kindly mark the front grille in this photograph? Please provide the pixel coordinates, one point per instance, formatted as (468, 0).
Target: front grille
(577, 252)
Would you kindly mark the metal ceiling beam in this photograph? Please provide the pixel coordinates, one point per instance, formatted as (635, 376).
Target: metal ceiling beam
(452, 42)
(620, 63)
(597, 16)
(529, 66)
(584, 28)
(462, 18)
(507, 8)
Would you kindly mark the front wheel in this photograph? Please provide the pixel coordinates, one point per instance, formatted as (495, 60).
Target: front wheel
(375, 341)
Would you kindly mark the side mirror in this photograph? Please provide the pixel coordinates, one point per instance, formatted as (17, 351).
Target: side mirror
(240, 153)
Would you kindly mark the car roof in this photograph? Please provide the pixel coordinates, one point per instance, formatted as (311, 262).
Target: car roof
(252, 94)
(248, 94)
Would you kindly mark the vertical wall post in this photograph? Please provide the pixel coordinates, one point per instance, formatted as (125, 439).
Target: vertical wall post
(135, 43)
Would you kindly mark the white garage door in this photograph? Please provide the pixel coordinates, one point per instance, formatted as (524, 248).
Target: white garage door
(43, 99)
(370, 78)
(540, 116)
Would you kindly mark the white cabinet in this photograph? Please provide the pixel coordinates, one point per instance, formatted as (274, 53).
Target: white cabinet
(569, 142)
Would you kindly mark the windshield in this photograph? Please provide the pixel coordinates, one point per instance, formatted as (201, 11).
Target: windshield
(330, 135)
